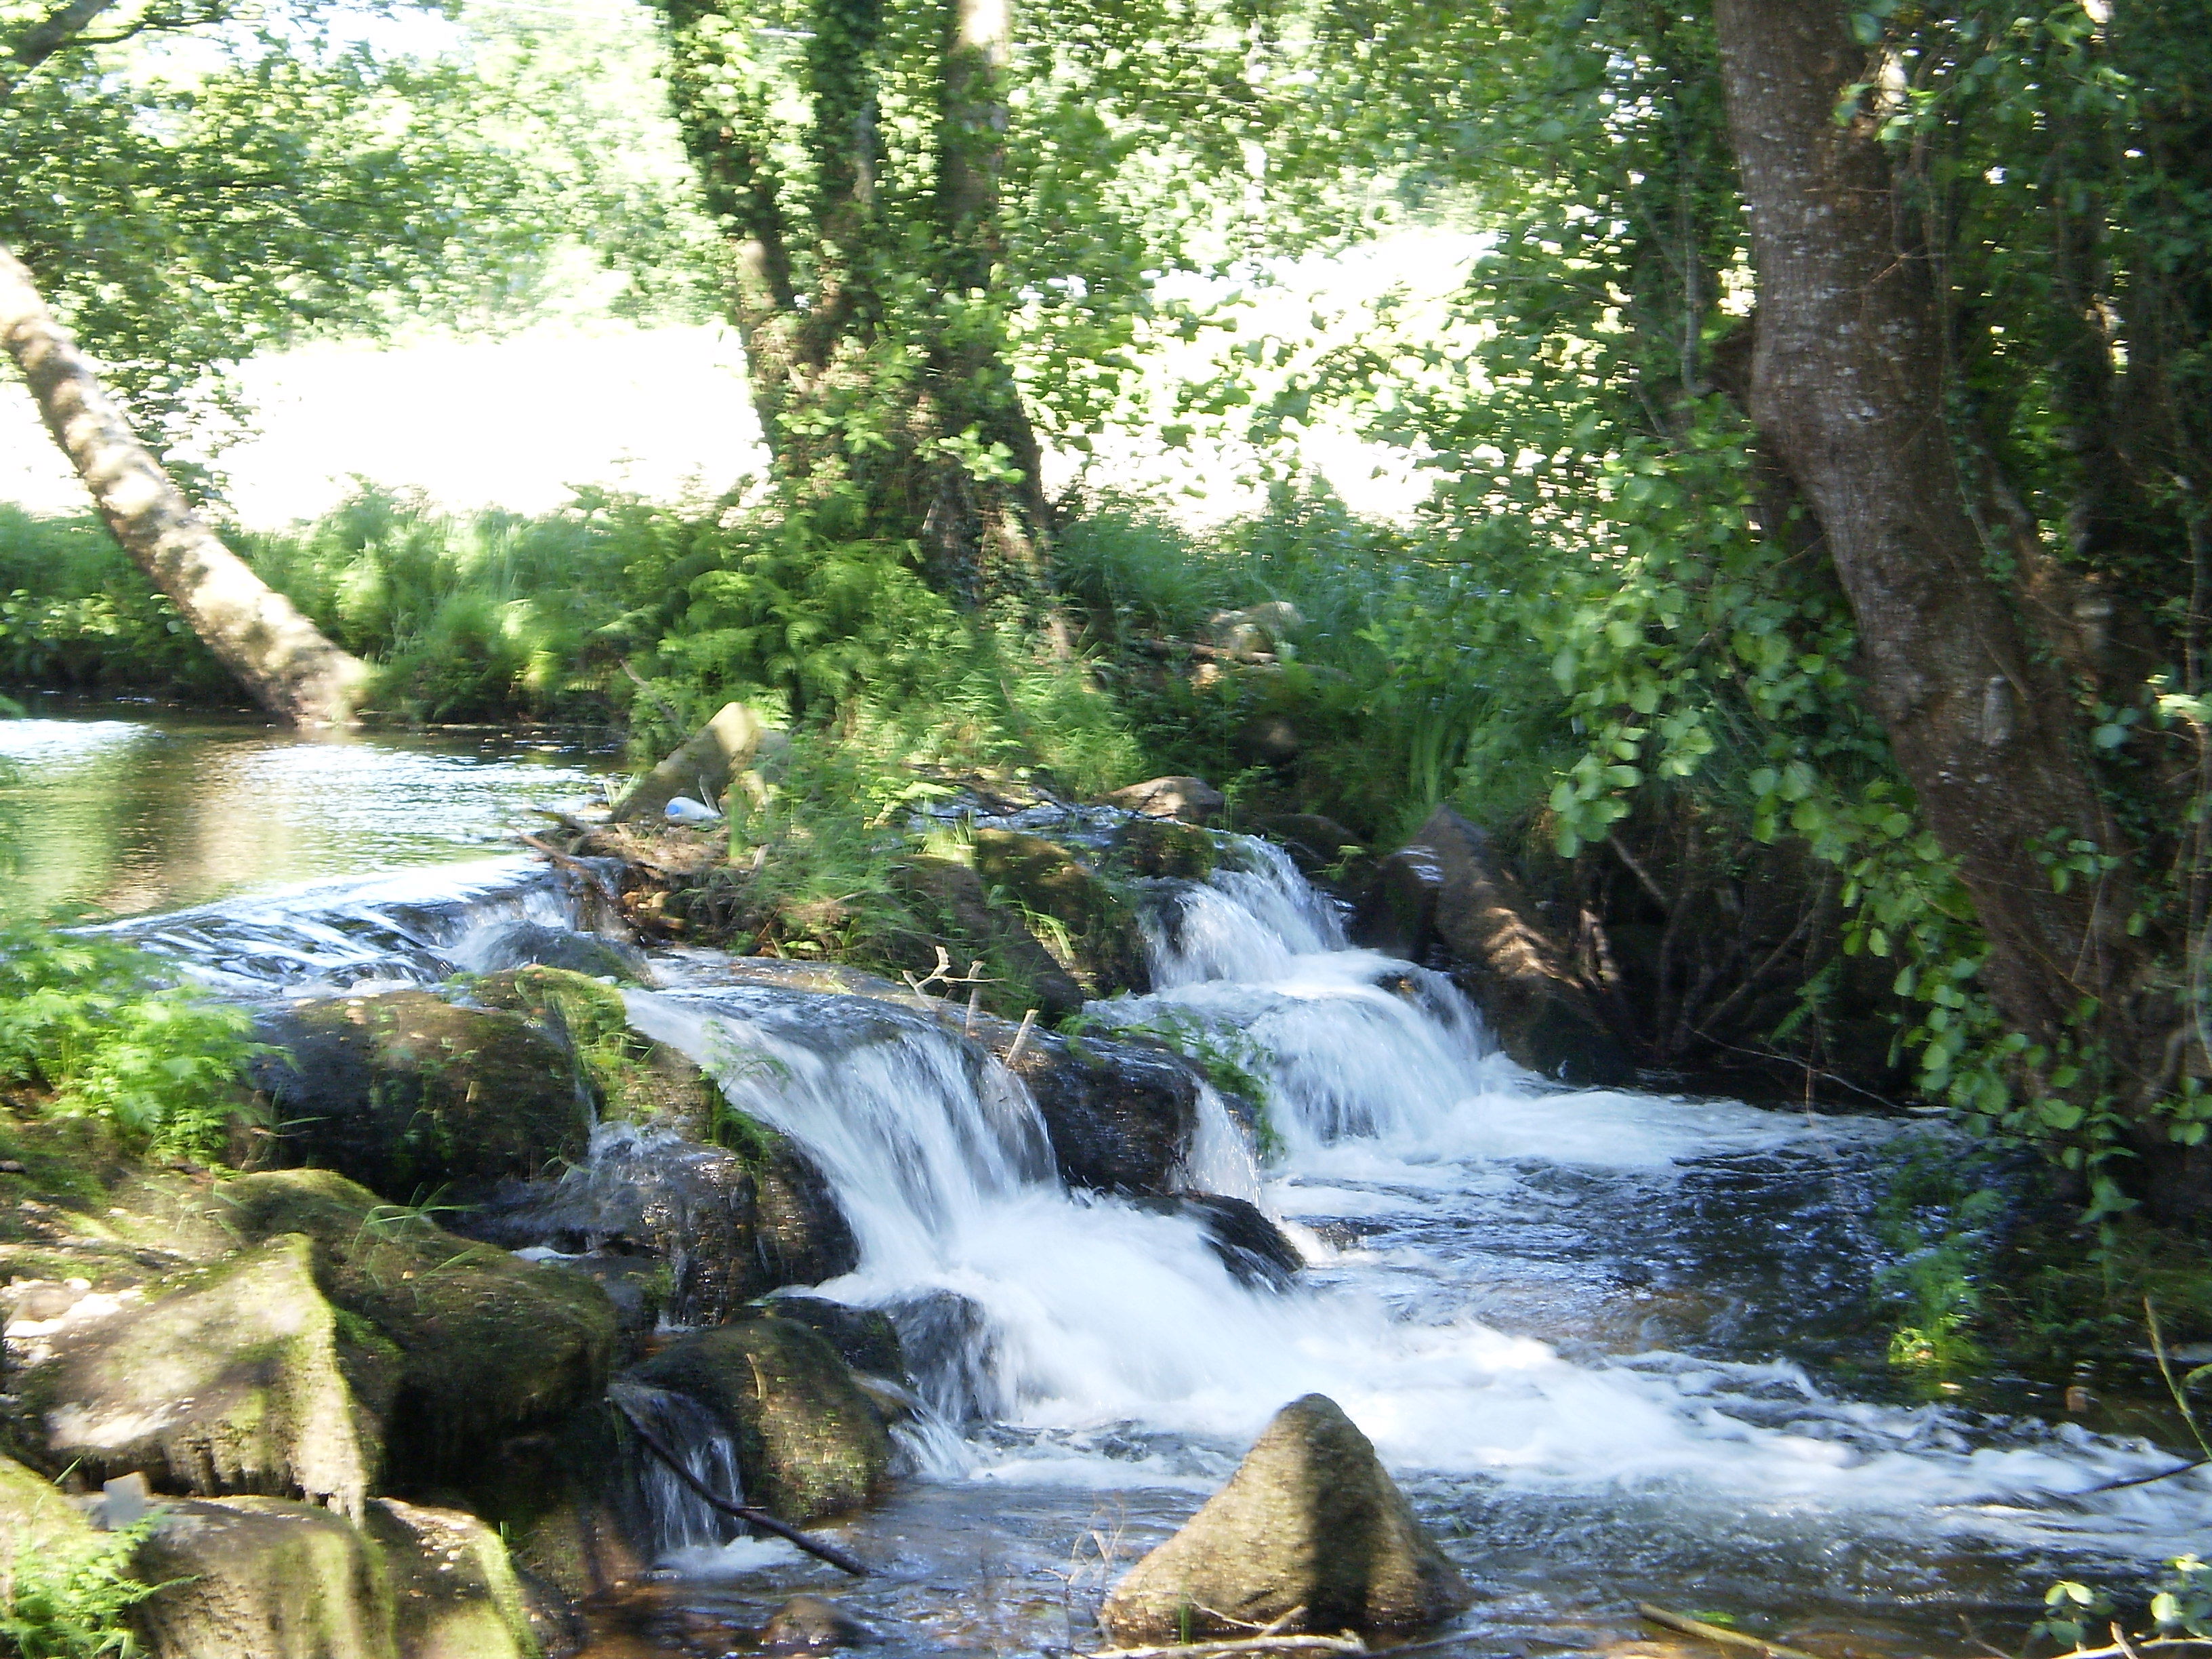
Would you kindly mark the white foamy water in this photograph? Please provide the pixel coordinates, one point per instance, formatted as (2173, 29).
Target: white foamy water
(1104, 1322)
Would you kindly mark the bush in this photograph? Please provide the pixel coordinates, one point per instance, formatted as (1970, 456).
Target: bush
(88, 1029)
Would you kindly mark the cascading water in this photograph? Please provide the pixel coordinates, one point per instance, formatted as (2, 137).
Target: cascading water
(1424, 1167)
(1558, 1313)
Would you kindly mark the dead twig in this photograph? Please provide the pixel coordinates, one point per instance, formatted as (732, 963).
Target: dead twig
(1021, 1037)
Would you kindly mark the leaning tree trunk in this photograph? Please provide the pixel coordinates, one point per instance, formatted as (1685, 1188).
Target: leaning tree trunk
(1847, 383)
(280, 656)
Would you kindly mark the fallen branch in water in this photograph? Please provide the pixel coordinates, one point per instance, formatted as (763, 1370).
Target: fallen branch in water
(1718, 1634)
(761, 1518)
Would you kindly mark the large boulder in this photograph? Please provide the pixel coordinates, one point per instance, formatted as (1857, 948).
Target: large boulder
(261, 1579)
(1311, 1525)
(455, 1595)
(489, 1345)
(235, 1378)
(1105, 943)
(704, 765)
(409, 1094)
(1448, 893)
(810, 1442)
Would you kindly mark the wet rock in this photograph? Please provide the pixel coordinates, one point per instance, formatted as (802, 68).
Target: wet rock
(489, 1345)
(946, 1339)
(407, 1093)
(1120, 1114)
(1250, 1245)
(812, 1624)
(535, 945)
(703, 765)
(567, 1501)
(951, 898)
(637, 1079)
(1318, 844)
(262, 1578)
(809, 1443)
(1162, 849)
(864, 1338)
(720, 1226)
(1448, 892)
(1105, 944)
(236, 1378)
(1309, 1520)
(1186, 799)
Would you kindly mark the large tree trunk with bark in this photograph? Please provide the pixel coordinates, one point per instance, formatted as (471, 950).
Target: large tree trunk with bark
(891, 395)
(280, 656)
(1848, 384)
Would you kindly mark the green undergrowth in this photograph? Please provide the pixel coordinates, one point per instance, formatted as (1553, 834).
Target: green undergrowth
(73, 1599)
(90, 1028)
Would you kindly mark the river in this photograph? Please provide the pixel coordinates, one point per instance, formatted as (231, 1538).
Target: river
(1617, 1346)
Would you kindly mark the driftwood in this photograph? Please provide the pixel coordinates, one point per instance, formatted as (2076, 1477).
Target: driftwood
(1718, 1635)
(1240, 1644)
(761, 1518)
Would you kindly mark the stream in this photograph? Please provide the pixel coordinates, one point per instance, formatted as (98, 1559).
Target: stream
(1615, 1345)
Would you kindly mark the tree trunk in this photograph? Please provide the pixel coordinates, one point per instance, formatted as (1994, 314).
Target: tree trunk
(985, 535)
(279, 655)
(1848, 384)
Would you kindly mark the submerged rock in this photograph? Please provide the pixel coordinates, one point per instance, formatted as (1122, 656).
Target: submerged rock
(812, 1624)
(407, 1093)
(1448, 892)
(535, 945)
(487, 1345)
(810, 1443)
(262, 1578)
(236, 1378)
(1310, 1520)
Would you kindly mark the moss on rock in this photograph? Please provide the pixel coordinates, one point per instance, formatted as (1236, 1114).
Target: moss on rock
(488, 1344)
(236, 1378)
(810, 1443)
(1103, 942)
(408, 1093)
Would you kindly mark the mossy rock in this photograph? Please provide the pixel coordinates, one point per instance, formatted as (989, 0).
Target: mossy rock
(1157, 848)
(1105, 941)
(953, 900)
(455, 1595)
(490, 1344)
(408, 1093)
(637, 1079)
(810, 1443)
(237, 1379)
(262, 1578)
(36, 1516)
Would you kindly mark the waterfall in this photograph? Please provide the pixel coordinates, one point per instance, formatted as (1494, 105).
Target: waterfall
(675, 1517)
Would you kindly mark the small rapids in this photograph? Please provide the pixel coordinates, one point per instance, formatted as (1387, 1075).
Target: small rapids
(1591, 1330)
(1424, 1176)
